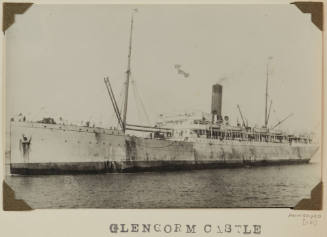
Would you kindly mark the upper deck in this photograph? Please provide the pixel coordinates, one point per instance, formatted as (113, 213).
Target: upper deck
(198, 126)
(65, 127)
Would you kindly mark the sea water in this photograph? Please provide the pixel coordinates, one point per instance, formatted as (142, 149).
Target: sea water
(271, 186)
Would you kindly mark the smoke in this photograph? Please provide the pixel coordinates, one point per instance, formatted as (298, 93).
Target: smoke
(222, 79)
(180, 71)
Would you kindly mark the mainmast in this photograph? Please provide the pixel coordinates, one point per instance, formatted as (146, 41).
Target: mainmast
(128, 73)
(266, 113)
(266, 102)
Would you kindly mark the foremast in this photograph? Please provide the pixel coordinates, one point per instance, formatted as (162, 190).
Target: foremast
(267, 114)
(128, 74)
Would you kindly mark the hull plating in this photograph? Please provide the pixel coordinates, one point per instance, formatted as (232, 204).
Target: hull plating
(57, 149)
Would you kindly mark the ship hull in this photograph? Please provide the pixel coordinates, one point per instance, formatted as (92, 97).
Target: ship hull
(62, 149)
(126, 167)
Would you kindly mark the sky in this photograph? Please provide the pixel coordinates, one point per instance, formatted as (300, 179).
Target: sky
(57, 56)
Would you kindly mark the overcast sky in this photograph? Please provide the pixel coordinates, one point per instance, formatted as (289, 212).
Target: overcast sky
(57, 56)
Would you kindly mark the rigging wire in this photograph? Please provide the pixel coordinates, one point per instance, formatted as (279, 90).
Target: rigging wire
(275, 113)
(138, 113)
(139, 99)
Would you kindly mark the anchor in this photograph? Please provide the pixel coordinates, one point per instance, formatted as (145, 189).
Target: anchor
(24, 144)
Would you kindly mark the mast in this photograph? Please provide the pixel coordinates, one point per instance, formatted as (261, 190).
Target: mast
(266, 106)
(269, 110)
(266, 96)
(128, 73)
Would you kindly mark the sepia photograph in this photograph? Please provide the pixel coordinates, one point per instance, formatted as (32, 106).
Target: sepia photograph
(162, 106)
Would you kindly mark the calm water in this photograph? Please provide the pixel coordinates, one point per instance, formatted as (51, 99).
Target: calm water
(275, 186)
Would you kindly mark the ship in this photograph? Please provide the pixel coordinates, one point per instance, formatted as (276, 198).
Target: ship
(180, 142)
